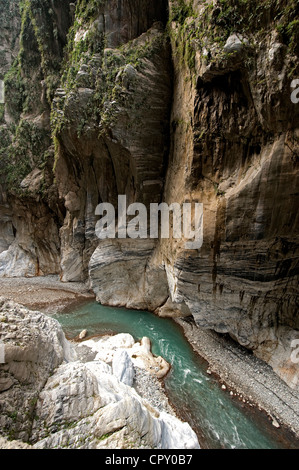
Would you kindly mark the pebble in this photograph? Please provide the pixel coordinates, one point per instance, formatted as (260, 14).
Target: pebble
(275, 424)
(83, 334)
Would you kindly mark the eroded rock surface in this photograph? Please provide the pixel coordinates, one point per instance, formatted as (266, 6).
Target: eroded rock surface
(115, 350)
(33, 346)
(124, 273)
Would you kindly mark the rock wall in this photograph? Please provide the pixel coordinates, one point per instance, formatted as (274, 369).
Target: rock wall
(31, 213)
(32, 347)
(235, 148)
(111, 122)
(10, 31)
(162, 101)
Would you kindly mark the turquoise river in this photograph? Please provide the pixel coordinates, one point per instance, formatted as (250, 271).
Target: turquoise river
(219, 420)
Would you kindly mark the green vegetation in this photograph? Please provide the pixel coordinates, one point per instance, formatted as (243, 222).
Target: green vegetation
(83, 41)
(289, 32)
(29, 89)
(181, 10)
(14, 91)
(103, 72)
(2, 109)
(105, 436)
(37, 70)
(217, 22)
(184, 16)
(13, 415)
(28, 150)
(40, 24)
(87, 10)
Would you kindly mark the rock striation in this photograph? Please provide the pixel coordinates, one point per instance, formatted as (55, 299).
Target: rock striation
(33, 346)
(125, 273)
(235, 149)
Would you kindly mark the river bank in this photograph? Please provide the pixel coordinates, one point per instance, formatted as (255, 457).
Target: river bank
(245, 377)
(47, 294)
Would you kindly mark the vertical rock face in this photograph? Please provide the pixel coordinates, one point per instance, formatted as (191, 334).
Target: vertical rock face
(111, 123)
(235, 148)
(125, 273)
(124, 20)
(10, 23)
(197, 110)
(10, 30)
(35, 34)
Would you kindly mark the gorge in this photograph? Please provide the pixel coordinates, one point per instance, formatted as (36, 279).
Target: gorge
(174, 101)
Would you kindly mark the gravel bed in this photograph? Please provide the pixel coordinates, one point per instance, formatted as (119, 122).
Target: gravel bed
(245, 376)
(46, 294)
(151, 389)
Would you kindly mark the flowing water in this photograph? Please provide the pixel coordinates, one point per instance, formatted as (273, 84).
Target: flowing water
(219, 420)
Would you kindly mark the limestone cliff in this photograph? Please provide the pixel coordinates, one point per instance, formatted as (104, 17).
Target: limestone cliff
(161, 101)
(235, 148)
